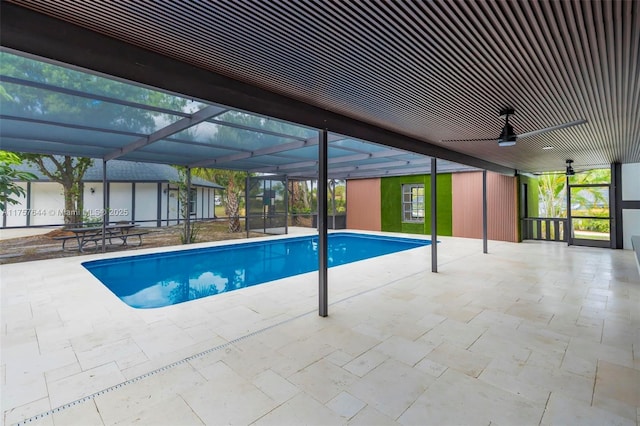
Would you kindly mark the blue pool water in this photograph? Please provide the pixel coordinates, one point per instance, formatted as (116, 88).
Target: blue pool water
(162, 279)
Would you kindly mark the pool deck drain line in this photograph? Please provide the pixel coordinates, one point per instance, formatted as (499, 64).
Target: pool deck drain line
(196, 356)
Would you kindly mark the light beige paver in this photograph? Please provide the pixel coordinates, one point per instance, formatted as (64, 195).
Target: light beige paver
(529, 333)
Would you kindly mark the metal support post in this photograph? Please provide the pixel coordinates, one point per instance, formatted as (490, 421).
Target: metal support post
(187, 208)
(333, 202)
(615, 206)
(28, 204)
(286, 204)
(434, 216)
(484, 212)
(322, 225)
(214, 203)
(246, 203)
(105, 195)
(569, 229)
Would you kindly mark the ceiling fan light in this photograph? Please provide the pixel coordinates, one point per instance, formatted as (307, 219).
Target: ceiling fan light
(507, 136)
(507, 131)
(507, 142)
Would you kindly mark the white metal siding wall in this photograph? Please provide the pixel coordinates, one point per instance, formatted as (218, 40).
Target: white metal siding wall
(93, 201)
(146, 203)
(120, 203)
(206, 203)
(630, 192)
(170, 198)
(47, 197)
(16, 213)
(47, 203)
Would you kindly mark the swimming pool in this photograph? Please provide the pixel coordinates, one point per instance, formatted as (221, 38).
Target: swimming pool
(162, 279)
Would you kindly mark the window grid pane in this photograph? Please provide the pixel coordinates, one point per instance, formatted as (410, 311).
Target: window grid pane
(413, 203)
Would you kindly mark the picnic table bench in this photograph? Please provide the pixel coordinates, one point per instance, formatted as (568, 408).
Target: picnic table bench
(94, 234)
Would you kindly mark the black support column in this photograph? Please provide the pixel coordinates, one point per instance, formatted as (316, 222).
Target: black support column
(286, 205)
(569, 229)
(105, 202)
(333, 204)
(615, 206)
(187, 209)
(28, 204)
(159, 204)
(323, 302)
(133, 202)
(484, 212)
(434, 216)
(247, 181)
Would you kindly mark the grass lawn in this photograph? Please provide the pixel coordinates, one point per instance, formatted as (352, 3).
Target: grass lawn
(589, 235)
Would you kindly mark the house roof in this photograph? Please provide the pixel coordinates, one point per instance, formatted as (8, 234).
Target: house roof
(125, 171)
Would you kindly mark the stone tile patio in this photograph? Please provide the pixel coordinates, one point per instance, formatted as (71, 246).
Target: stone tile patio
(531, 333)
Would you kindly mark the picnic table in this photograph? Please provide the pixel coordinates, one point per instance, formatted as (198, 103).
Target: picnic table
(94, 234)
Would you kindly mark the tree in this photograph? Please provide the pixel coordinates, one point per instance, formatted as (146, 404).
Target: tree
(299, 194)
(553, 192)
(234, 183)
(55, 107)
(232, 180)
(68, 172)
(190, 229)
(299, 200)
(335, 197)
(8, 177)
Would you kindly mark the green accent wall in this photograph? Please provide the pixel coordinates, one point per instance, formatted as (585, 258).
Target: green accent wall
(391, 204)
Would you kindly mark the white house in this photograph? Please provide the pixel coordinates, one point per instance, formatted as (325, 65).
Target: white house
(142, 192)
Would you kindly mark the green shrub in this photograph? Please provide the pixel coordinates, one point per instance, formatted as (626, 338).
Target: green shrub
(592, 225)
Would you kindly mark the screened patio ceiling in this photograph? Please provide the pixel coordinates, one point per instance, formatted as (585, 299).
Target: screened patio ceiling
(51, 109)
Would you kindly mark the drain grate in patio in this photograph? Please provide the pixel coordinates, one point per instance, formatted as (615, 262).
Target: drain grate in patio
(156, 371)
(193, 357)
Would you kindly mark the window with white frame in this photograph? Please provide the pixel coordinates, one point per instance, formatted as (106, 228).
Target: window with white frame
(193, 199)
(413, 203)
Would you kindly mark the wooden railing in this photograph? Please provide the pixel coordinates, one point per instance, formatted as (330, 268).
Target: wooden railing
(544, 228)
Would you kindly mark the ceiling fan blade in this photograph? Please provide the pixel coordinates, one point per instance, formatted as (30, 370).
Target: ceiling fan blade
(468, 140)
(550, 129)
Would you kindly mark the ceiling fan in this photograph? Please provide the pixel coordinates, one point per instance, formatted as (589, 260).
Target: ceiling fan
(508, 136)
(569, 170)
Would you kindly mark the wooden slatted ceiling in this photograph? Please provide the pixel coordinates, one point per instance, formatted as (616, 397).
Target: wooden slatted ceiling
(430, 70)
